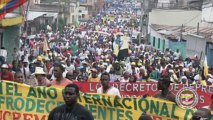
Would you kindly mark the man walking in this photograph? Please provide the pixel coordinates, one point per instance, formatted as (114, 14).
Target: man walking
(71, 110)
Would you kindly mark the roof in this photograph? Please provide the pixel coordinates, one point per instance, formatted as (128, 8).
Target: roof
(175, 31)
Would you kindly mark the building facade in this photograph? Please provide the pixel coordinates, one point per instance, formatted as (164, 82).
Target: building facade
(10, 24)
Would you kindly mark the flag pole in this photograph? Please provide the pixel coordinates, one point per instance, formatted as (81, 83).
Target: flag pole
(26, 17)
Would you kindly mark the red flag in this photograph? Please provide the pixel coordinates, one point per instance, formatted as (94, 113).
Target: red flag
(7, 6)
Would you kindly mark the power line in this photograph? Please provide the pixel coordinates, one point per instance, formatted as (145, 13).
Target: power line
(192, 19)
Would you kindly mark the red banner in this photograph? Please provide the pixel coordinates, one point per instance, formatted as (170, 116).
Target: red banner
(140, 89)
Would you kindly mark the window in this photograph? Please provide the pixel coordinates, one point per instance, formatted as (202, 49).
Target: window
(83, 16)
(158, 43)
(164, 45)
(79, 17)
(83, 1)
(72, 9)
(153, 41)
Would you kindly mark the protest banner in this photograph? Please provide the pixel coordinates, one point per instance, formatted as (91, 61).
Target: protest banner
(105, 107)
(130, 90)
(21, 102)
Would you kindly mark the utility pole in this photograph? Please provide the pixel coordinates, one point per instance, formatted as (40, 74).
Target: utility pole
(141, 23)
(146, 8)
(198, 28)
(181, 33)
(26, 16)
(59, 14)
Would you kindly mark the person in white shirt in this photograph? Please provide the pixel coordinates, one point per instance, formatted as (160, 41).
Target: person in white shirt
(20, 52)
(177, 54)
(3, 55)
(99, 50)
(125, 77)
(70, 66)
(106, 88)
(210, 79)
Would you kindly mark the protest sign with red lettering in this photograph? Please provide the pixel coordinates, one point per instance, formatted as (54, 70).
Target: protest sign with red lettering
(128, 90)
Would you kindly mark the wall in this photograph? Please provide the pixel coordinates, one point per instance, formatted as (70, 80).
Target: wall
(174, 45)
(74, 13)
(10, 40)
(157, 40)
(175, 17)
(207, 13)
(210, 54)
(161, 43)
(195, 45)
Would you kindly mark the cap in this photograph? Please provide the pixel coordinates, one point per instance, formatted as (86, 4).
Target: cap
(107, 60)
(133, 63)
(94, 70)
(139, 64)
(176, 66)
(181, 65)
(5, 66)
(122, 62)
(39, 71)
(183, 77)
(116, 61)
(84, 62)
(211, 76)
(171, 71)
(197, 77)
(169, 65)
(39, 58)
(142, 68)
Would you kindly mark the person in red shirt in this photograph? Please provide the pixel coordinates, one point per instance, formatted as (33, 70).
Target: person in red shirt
(6, 74)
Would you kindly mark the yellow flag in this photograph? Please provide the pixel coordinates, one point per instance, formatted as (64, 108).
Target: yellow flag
(205, 67)
(45, 45)
(3, 3)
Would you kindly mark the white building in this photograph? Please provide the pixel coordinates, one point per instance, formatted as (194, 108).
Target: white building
(207, 13)
(175, 17)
